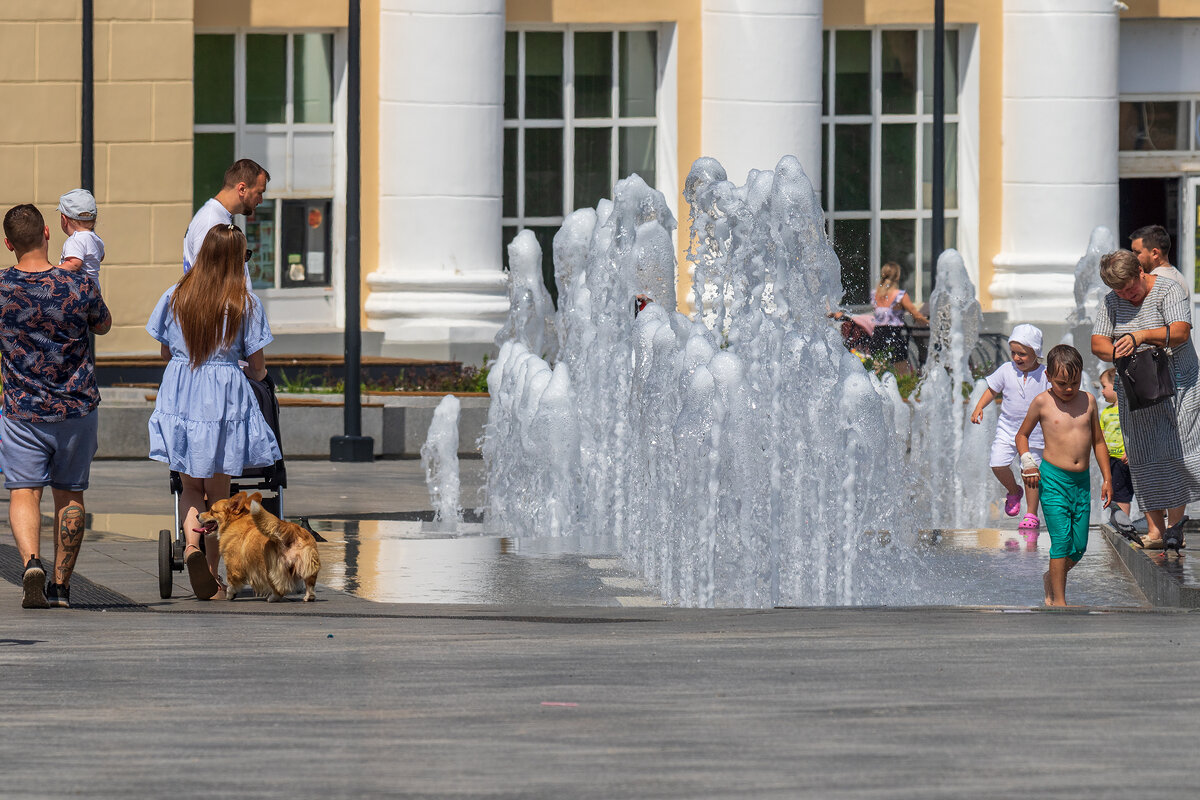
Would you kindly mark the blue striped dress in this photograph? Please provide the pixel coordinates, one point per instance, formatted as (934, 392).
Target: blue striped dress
(1162, 441)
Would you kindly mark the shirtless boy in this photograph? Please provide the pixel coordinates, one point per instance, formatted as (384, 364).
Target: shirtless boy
(1071, 426)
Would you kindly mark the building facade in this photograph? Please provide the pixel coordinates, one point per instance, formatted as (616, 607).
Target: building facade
(481, 118)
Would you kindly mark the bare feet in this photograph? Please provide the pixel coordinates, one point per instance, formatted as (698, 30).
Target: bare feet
(1046, 586)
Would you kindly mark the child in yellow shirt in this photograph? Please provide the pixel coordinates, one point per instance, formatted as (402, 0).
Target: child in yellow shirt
(1110, 423)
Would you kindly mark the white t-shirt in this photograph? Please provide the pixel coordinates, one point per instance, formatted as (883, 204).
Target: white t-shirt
(210, 214)
(1017, 390)
(1175, 275)
(88, 248)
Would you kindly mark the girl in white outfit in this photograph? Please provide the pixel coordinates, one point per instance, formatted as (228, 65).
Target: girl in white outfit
(1017, 382)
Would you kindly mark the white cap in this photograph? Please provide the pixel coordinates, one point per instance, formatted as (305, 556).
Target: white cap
(1029, 336)
(78, 204)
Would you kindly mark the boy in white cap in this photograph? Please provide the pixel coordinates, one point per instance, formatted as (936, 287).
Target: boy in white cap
(1017, 383)
(83, 248)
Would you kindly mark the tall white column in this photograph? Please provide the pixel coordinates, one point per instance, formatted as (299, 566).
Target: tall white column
(762, 84)
(439, 291)
(1060, 150)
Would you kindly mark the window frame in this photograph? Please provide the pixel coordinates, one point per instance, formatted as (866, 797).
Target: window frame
(1192, 104)
(875, 214)
(568, 124)
(280, 188)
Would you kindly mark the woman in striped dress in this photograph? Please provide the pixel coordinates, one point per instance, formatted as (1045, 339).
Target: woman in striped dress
(1163, 440)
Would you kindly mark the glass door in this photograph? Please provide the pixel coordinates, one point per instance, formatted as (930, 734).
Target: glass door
(1189, 250)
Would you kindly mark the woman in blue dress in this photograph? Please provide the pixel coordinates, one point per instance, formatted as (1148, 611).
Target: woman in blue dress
(206, 423)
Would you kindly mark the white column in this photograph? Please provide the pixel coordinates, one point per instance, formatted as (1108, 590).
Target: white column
(1059, 152)
(762, 84)
(439, 291)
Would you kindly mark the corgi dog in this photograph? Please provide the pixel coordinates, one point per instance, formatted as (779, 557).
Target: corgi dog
(251, 556)
(296, 545)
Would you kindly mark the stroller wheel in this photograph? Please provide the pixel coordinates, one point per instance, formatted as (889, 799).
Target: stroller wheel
(164, 564)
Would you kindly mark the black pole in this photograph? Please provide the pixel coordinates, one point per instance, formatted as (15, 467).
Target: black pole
(938, 223)
(87, 159)
(87, 146)
(353, 446)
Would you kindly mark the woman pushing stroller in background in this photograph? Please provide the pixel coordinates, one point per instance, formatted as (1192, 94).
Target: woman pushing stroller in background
(207, 424)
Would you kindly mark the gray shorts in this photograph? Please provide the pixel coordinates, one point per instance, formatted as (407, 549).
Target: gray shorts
(55, 453)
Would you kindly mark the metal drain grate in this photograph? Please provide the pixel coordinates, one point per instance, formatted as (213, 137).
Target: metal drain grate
(84, 594)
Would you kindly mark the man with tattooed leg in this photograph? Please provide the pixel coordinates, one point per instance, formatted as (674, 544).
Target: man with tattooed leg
(49, 426)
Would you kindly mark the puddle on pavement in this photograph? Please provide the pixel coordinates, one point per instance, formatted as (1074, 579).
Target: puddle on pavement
(397, 561)
(999, 567)
(412, 561)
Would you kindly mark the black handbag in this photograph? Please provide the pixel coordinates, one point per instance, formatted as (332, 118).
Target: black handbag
(1147, 376)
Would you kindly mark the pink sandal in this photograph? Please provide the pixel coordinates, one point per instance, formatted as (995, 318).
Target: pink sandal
(1029, 524)
(1012, 503)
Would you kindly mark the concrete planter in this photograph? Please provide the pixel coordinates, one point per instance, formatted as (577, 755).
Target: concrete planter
(398, 423)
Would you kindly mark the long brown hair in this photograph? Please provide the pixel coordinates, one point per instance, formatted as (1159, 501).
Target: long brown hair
(211, 300)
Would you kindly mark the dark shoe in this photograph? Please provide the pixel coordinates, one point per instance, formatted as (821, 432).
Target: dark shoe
(34, 583)
(58, 596)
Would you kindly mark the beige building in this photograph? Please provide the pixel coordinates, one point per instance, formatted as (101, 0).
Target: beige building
(480, 118)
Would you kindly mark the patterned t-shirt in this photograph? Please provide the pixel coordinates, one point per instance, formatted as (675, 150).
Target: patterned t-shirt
(1110, 423)
(44, 362)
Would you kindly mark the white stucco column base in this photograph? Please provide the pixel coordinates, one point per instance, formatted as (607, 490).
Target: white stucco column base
(439, 290)
(1060, 150)
(762, 84)
(443, 317)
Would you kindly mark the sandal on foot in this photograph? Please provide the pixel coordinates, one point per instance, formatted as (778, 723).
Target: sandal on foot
(203, 583)
(1152, 544)
(1030, 524)
(1012, 502)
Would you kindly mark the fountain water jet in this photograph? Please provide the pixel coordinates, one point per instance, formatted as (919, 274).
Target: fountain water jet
(439, 459)
(750, 461)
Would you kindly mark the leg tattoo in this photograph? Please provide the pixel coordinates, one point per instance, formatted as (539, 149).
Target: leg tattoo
(70, 536)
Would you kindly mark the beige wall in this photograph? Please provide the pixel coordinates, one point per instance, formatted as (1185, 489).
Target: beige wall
(142, 132)
(276, 13)
(1161, 8)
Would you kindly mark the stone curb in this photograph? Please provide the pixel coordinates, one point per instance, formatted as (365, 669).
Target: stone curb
(1160, 579)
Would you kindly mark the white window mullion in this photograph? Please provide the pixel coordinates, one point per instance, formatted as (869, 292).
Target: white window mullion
(289, 110)
(520, 128)
(568, 149)
(831, 88)
(277, 207)
(919, 287)
(876, 155)
(614, 144)
(239, 90)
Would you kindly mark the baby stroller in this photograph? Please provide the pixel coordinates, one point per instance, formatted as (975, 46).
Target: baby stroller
(270, 479)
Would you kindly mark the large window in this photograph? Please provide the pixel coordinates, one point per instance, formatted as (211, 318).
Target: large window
(270, 97)
(877, 154)
(580, 112)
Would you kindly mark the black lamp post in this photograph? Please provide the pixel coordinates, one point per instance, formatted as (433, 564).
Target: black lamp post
(87, 159)
(353, 446)
(938, 223)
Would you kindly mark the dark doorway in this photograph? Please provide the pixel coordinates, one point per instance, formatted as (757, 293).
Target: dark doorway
(1149, 201)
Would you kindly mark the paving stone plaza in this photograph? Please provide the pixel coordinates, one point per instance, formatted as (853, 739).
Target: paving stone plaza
(129, 695)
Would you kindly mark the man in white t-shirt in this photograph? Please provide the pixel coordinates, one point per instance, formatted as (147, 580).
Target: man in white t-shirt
(1152, 246)
(245, 183)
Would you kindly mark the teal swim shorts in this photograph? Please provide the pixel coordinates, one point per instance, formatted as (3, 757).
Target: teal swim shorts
(1066, 504)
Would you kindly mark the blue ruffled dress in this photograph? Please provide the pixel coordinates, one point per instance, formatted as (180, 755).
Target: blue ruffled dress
(206, 420)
